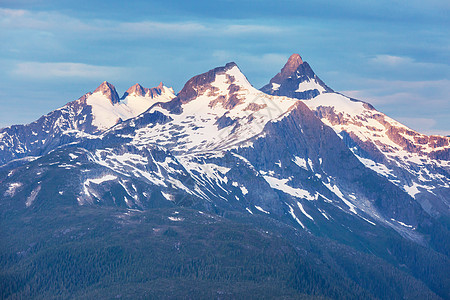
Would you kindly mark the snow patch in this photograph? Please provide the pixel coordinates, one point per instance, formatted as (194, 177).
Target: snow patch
(261, 209)
(11, 191)
(368, 221)
(244, 190)
(310, 84)
(101, 179)
(403, 224)
(32, 196)
(168, 196)
(275, 86)
(337, 192)
(291, 212)
(412, 190)
(303, 211)
(281, 184)
(301, 162)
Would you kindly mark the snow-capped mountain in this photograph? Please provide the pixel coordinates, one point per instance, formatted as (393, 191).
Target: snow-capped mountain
(91, 114)
(221, 145)
(118, 180)
(418, 164)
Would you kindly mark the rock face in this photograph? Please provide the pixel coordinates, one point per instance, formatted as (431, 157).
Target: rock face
(293, 63)
(417, 163)
(198, 85)
(296, 80)
(137, 90)
(109, 91)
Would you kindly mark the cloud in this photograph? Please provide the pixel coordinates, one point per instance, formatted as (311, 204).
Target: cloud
(19, 19)
(402, 93)
(420, 105)
(48, 70)
(391, 60)
(252, 29)
(12, 13)
(14, 19)
(168, 30)
(406, 67)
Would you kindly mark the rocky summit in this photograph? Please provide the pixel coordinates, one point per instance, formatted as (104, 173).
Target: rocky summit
(293, 190)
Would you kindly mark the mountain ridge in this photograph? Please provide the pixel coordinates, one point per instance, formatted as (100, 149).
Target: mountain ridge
(219, 111)
(220, 174)
(385, 145)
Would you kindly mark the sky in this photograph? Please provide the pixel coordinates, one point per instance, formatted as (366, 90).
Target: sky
(393, 54)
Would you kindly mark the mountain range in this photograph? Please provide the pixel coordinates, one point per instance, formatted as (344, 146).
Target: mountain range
(305, 172)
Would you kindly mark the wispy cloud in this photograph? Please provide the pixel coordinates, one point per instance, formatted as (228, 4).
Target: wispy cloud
(390, 60)
(17, 19)
(46, 70)
(407, 67)
(101, 28)
(148, 28)
(12, 13)
(421, 105)
(252, 29)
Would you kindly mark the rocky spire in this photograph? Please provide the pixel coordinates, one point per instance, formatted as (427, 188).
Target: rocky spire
(294, 61)
(109, 91)
(136, 89)
(139, 90)
(296, 80)
(156, 91)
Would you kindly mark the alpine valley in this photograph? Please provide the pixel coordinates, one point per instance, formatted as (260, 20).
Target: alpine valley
(292, 191)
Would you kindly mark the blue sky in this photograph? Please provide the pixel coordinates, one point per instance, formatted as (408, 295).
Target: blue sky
(393, 54)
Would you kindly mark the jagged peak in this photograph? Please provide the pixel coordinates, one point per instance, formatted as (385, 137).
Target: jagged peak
(109, 91)
(139, 90)
(191, 89)
(296, 79)
(292, 65)
(294, 61)
(136, 89)
(230, 65)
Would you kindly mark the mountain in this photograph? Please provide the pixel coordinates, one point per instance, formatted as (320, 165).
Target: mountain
(90, 115)
(296, 80)
(221, 186)
(417, 163)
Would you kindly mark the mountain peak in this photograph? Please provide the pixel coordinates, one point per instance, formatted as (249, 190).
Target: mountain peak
(139, 90)
(230, 66)
(296, 80)
(109, 91)
(198, 84)
(294, 61)
(136, 89)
